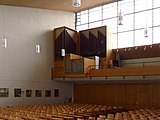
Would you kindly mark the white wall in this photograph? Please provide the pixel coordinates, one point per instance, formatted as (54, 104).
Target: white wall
(20, 66)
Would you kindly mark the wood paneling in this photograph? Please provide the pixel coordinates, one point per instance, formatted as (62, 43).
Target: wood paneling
(138, 96)
(120, 95)
(58, 69)
(87, 63)
(154, 95)
(129, 96)
(73, 56)
(72, 66)
(55, 4)
(126, 71)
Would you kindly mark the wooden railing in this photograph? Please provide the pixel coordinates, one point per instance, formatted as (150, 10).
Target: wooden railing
(125, 71)
(129, 68)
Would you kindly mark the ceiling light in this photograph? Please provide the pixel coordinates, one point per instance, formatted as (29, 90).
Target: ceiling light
(4, 41)
(76, 3)
(62, 52)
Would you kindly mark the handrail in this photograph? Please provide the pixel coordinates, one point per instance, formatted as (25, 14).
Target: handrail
(122, 64)
(143, 63)
(132, 70)
(126, 71)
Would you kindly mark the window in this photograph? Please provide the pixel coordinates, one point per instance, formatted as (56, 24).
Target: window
(141, 5)
(128, 5)
(142, 19)
(125, 39)
(156, 35)
(95, 12)
(156, 3)
(109, 10)
(156, 17)
(136, 15)
(82, 27)
(140, 39)
(128, 23)
(84, 17)
(111, 23)
(95, 24)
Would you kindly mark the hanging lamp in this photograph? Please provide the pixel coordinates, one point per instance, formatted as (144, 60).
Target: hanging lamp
(76, 3)
(146, 26)
(120, 18)
(120, 15)
(146, 31)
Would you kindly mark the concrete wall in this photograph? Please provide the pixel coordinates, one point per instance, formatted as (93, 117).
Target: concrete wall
(20, 66)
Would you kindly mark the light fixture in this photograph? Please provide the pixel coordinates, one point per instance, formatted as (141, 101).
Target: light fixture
(117, 50)
(146, 27)
(136, 48)
(4, 41)
(146, 31)
(129, 49)
(38, 49)
(76, 3)
(120, 18)
(97, 62)
(62, 52)
(120, 15)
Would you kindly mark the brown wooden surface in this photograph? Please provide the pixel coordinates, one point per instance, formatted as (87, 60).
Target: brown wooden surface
(109, 44)
(73, 56)
(126, 71)
(87, 63)
(146, 51)
(59, 66)
(55, 4)
(130, 96)
(59, 71)
(61, 74)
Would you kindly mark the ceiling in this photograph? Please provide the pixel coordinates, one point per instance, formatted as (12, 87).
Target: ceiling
(55, 4)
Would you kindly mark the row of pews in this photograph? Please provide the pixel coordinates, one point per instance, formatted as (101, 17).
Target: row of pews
(76, 112)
